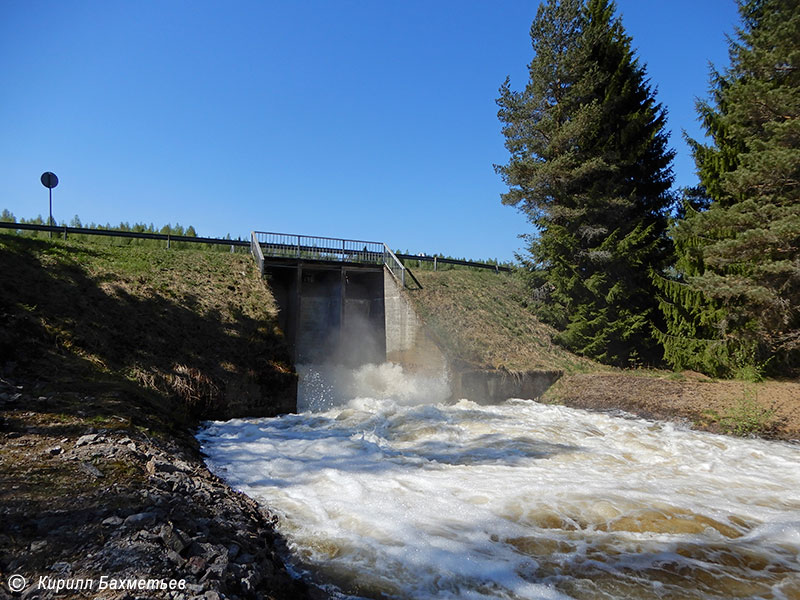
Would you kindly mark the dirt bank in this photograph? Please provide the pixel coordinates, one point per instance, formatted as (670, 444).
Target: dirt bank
(86, 497)
(109, 357)
(767, 409)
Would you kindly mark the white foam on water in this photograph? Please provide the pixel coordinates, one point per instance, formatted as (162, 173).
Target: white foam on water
(323, 387)
(382, 497)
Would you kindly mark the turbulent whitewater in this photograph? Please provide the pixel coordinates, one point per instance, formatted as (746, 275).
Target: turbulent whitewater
(383, 491)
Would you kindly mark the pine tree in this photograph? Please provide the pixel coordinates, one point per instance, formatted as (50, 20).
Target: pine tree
(590, 168)
(735, 306)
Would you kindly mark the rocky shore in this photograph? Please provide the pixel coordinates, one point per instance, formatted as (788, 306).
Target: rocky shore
(94, 499)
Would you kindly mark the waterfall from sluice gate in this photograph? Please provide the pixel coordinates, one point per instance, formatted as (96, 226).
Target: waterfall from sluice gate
(384, 491)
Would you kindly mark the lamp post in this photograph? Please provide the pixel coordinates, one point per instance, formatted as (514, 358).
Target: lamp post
(49, 180)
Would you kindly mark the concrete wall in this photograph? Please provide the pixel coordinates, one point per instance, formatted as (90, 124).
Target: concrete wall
(331, 313)
(408, 344)
(406, 340)
(490, 386)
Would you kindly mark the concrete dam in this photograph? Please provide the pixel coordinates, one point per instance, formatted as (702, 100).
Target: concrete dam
(345, 302)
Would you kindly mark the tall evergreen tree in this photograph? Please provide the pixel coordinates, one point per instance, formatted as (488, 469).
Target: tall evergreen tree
(590, 168)
(736, 303)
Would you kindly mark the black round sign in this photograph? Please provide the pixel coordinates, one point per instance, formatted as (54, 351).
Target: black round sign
(49, 180)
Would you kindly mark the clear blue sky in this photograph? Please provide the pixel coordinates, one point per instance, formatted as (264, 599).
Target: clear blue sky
(370, 120)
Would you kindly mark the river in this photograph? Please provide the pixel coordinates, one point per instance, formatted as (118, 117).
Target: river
(385, 491)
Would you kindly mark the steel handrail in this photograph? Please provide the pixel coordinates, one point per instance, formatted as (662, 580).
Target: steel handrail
(255, 250)
(388, 251)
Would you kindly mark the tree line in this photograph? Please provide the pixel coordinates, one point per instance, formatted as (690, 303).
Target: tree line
(628, 270)
(8, 217)
(169, 229)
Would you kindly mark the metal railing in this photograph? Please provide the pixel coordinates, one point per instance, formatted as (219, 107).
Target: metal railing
(436, 260)
(396, 268)
(306, 247)
(63, 231)
(265, 244)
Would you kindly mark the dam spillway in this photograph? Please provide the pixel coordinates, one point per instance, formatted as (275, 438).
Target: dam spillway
(322, 308)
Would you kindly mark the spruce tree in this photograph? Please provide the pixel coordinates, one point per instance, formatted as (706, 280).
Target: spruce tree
(590, 168)
(735, 306)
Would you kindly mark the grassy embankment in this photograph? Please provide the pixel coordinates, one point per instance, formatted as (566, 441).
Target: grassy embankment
(138, 339)
(483, 318)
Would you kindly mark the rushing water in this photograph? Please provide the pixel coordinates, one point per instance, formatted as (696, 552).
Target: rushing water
(384, 495)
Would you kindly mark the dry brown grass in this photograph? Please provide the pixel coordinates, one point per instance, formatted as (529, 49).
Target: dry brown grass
(482, 317)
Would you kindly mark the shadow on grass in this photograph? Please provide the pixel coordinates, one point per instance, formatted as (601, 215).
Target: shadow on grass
(152, 360)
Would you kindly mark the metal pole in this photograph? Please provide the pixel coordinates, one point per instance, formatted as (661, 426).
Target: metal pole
(50, 222)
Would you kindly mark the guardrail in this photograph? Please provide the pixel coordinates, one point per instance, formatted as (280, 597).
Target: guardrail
(64, 231)
(454, 261)
(282, 245)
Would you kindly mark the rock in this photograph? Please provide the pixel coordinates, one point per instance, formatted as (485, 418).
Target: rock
(112, 521)
(233, 551)
(145, 536)
(212, 595)
(204, 549)
(140, 519)
(175, 558)
(250, 582)
(159, 466)
(89, 438)
(245, 559)
(104, 452)
(173, 538)
(55, 450)
(90, 469)
(36, 546)
(196, 565)
(61, 567)
(215, 571)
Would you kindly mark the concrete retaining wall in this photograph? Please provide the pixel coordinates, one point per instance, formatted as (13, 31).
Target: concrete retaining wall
(490, 386)
(407, 343)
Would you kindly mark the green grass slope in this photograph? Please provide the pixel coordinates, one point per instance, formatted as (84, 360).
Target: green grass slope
(175, 335)
(482, 318)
